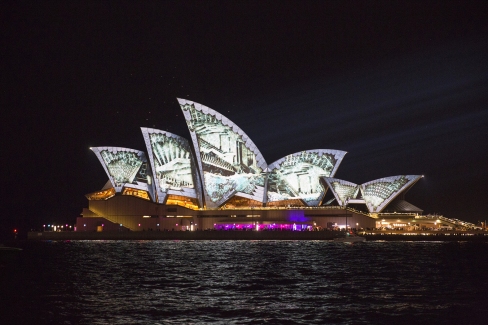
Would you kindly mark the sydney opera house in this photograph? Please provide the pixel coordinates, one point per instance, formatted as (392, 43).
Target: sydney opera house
(222, 181)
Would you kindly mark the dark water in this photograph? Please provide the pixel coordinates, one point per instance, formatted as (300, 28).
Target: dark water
(246, 282)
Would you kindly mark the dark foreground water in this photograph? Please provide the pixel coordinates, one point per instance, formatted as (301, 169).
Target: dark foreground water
(246, 282)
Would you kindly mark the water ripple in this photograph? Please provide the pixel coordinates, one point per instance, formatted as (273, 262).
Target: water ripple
(247, 282)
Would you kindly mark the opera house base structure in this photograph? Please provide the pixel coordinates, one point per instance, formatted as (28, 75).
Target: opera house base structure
(223, 182)
(126, 213)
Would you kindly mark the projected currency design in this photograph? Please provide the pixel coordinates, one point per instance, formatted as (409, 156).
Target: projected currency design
(297, 176)
(126, 168)
(380, 192)
(228, 160)
(224, 170)
(172, 163)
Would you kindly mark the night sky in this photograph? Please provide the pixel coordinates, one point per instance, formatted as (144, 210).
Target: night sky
(401, 86)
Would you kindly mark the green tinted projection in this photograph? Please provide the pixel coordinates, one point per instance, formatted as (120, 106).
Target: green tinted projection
(123, 166)
(228, 164)
(172, 162)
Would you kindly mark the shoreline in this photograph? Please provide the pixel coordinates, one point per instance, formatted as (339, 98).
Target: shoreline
(247, 235)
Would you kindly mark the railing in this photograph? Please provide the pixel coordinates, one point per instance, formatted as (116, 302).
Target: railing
(293, 208)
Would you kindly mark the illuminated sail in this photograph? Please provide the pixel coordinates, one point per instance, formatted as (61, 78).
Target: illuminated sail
(297, 176)
(343, 190)
(230, 164)
(380, 192)
(172, 164)
(126, 168)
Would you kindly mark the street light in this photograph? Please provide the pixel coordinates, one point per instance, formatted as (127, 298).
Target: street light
(345, 210)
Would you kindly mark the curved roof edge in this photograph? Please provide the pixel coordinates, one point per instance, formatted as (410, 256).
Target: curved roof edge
(168, 134)
(343, 190)
(338, 154)
(116, 149)
(389, 188)
(214, 197)
(311, 192)
(119, 186)
(162, 196)
(225, 121)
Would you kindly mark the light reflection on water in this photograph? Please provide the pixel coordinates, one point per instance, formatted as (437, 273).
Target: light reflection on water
(247, 282)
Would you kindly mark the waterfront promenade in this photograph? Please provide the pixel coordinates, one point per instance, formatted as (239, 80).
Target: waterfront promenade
(261, 235)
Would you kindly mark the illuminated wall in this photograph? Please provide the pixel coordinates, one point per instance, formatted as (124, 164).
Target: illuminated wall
(172, 165)
(297, 176)
(343, 190)
(101, 195)
(125, 168)
(229, 162)
(380, 192)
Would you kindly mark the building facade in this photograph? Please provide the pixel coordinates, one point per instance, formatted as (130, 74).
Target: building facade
(224, 182)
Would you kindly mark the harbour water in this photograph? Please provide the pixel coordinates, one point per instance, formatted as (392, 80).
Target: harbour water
(246, 282)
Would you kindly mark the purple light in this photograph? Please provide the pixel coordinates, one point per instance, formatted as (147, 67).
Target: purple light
(297, 216)
(257, 226)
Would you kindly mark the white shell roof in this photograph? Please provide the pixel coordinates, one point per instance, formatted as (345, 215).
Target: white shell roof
(259, 157)
(345, 191)
(380, 192)
(140, 154)
(338, 154)
(195, 192)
